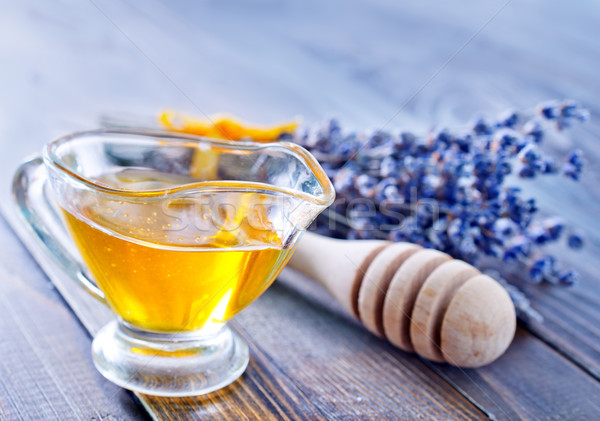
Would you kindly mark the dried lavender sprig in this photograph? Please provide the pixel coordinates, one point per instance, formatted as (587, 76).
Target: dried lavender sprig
(446, 190)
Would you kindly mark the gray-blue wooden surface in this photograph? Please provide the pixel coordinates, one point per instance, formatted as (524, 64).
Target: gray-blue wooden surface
(398, 64)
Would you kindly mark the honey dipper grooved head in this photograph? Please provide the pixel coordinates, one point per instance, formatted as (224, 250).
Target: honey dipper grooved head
(479, 324)
(376, 281)
(402, 294)
(433, 300)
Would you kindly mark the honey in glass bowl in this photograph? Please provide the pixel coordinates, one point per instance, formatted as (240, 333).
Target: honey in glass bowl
(162, 274)
(179, 234)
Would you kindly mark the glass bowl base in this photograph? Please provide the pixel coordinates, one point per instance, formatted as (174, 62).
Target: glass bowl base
(169, 364)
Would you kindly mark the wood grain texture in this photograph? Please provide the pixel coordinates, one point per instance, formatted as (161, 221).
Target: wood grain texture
(46, 368)
(526, 382)
(262, 393)
(571, 315)
(64, 65)
(341, 367)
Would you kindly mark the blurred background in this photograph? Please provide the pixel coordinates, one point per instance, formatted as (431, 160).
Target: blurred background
(65, 65)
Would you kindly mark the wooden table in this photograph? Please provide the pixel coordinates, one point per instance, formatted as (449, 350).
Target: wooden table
(64, 65)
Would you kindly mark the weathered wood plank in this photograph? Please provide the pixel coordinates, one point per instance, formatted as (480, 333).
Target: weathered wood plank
(571, 315)
(257, 395)
(340, 367)
(263, 392)
(571, 320)
(46, 368)
(536, 382)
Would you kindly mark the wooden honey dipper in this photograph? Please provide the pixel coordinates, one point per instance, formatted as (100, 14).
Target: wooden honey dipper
(420, 299)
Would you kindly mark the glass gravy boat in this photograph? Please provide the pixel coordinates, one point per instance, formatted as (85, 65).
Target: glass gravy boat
(179, 234)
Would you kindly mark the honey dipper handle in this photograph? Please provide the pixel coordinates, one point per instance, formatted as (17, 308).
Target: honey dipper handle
(338, 265)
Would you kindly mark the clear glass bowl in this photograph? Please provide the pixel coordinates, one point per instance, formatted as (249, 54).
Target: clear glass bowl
(178, 234)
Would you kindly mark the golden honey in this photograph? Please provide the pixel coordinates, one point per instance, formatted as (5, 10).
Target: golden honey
(166, 267)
